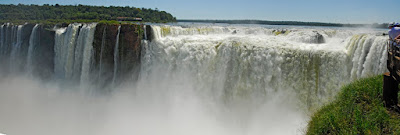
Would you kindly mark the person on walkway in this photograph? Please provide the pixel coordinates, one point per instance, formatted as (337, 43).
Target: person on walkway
(391, 86)
(394, 32)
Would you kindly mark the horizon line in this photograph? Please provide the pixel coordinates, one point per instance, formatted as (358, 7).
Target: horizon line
(335, 23)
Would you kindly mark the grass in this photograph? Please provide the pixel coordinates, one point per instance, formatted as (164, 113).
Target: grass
(358, 109)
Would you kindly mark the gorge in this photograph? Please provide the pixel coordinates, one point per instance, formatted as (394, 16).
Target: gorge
(94, 78)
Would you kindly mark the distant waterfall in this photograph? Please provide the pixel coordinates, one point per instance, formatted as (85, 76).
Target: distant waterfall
(87, 59)
(73, 51)
(116, 55)
(103, 42)
(145, 33)
(64, 49)
(16, 48)
(32, 47)
(2, 36)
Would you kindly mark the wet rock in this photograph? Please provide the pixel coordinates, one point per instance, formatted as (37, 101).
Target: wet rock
(149, 34)
(128, 52)
(103, 46)
(319, 38)
(44, 61)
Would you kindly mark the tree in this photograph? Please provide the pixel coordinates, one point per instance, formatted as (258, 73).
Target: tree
(82, 12)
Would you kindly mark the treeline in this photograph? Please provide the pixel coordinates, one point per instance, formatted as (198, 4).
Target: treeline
(80, 12)
(375, 25)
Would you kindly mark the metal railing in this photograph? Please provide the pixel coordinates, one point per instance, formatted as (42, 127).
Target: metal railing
(393, 62)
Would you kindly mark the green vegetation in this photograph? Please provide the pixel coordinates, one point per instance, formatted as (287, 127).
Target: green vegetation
(52, 22)
(108, 22)
(358, 109)
(80, 13)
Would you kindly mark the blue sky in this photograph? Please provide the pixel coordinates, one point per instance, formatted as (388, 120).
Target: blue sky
(337, 11)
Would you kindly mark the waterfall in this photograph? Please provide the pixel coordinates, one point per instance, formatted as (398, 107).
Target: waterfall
(9, 41)
(78, 54)
(103, 42)
(83, 52)
(231, 79)
(144, 30)
(73, 51)
(31, 50)
(65, 50)
(2, 39)
(246, 60)
(70, 40)
(254, 63)
(59, 53)
(15, 49)
(9, 32)
(116, 56)
(368, 55)
(87, 53)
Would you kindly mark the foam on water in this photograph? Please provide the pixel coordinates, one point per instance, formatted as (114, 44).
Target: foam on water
(222, 80)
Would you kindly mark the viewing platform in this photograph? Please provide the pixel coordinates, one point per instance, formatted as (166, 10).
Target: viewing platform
(392, 78)
(128, 19)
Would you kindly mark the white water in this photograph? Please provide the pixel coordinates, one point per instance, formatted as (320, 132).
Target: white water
(2, 36)
(15, 49)
(87, 59)
(103, 42)
(116, 56)
(33, 42)
(5, 39)
(64, 49)
(255, 70)
(74, 51)
(254, 61)
(222, 80)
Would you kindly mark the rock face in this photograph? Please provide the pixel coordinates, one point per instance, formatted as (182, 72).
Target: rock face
(149, 35)
(15, 41)
(25, 34)
(31, 48)
(129, 52)
(312, 37)
(44, 57)
(128, 56)
(320, 38)
(103, 45)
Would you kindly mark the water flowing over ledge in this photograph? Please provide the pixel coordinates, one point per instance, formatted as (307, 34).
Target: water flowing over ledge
(232, 77)
(247, 61)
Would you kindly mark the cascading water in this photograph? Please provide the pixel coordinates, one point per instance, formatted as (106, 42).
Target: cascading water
(31, 50)
(103, 42)
(16, 49)
(2, 39)
(87, 59)
(368, 55)
(145, 33)
(64, 49)
(253, 64)
(73, 51)
(3, 29)
(116, 56)
(193, 79)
